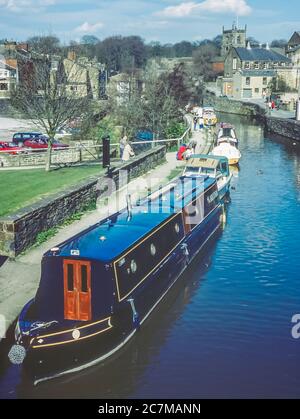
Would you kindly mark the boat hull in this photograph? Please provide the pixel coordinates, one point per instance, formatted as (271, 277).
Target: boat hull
(54, 361)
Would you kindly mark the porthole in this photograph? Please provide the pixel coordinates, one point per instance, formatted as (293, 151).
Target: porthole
(153, 249)
(177, 228)
(133, 266)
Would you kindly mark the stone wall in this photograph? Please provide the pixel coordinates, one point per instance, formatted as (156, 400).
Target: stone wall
(225, 105)
(20, 230)
(284, 127)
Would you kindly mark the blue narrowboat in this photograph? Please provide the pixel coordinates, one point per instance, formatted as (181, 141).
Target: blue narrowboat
(98, 287)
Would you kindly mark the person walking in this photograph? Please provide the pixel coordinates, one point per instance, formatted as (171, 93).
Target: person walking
(127, 152)
(201, 123)
(123, 143)
(195, 123)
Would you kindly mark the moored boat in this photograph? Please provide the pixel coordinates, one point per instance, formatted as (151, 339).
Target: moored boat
(98, 287)
(209, 117)
(215, 167)
(227, 144)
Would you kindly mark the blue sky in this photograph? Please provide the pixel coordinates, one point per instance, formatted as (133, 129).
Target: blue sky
(154, 20)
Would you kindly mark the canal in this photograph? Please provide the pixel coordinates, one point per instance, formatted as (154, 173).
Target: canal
(226, 331)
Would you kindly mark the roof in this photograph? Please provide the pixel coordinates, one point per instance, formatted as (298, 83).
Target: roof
(261, 54)
(207, 162)
(258, 73)
(110, 238)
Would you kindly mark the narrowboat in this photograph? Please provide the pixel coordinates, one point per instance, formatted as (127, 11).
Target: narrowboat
(98, 287)
(215, 167)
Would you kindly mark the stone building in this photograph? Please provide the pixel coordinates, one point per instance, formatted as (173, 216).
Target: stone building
(239, 60)
(8, 79)
(252, 83)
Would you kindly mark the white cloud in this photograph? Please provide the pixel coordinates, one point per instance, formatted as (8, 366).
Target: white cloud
(89, 27)
(238, 7)
(19, 5)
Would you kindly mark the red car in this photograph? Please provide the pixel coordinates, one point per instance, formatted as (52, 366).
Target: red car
(41, 144)
(10, 148)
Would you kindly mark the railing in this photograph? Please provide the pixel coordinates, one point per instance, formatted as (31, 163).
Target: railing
(76, 154)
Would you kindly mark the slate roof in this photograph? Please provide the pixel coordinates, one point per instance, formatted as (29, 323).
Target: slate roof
(261, 54)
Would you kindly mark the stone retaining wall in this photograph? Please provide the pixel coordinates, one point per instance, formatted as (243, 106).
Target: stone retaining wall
(284, 127)
(20, 230)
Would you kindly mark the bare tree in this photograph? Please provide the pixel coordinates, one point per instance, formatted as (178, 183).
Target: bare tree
(50, 96)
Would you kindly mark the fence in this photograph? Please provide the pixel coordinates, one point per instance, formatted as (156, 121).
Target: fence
(86, 151)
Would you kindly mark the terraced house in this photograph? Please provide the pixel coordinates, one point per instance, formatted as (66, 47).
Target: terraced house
(248, 71)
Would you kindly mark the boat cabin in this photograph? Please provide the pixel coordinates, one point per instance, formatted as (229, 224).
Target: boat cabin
(89, 275)
(227, 134)
(204, 165)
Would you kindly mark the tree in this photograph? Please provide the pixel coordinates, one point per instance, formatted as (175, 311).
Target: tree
(45, 44)
(45, 97)
(202, 61)
(89, 40)
(279, 43)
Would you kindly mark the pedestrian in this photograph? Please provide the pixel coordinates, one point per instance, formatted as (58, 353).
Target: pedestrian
(188, 153)
(201, 123)
(195, 123)
(127, 152)
(273, 105)
(123, 143)
(193, 145)
(270, 107)
(181, 151)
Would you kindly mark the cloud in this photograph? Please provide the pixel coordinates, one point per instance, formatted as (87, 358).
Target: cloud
(19, 5)
(238, 7)
(89, 27)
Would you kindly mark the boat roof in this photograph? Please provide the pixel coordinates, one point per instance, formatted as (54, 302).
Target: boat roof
(113, 236)
(226, 125)
(208, 163)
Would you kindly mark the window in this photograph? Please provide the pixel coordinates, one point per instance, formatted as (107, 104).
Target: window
(248, 81)
(234, 64)
(247, 65)
(133, 266)
(70, 278)
(3, 86)
(153, 249)
(84, 281)
(177, 228)
(256, 65)
(265, 81)
(256, 90)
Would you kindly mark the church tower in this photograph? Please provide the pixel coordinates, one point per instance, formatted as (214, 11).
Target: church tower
(234, 37)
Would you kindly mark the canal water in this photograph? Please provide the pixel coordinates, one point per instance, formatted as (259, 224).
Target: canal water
(226, 330)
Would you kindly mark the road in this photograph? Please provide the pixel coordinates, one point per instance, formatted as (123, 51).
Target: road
(8, 126)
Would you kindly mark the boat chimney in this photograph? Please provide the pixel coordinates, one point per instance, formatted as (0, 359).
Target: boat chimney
(129, 207)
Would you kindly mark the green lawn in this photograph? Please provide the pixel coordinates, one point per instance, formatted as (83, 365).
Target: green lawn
(20, 188)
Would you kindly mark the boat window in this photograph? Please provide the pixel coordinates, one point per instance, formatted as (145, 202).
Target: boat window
(84, 281)
(70, 277)
(177, 228)
(153, 249)
(133, 266)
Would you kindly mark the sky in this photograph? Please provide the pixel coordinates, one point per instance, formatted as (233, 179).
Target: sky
(154, 20)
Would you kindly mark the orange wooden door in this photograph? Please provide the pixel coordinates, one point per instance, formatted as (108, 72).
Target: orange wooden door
(77, 290)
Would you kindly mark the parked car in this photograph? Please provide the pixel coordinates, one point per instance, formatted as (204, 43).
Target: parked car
(41, 144)
(10, 148)
(20, 137)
